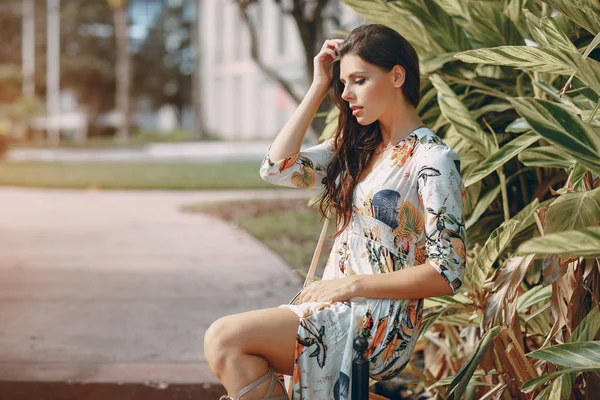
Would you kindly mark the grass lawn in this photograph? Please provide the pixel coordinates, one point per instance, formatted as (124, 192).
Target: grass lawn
(289, 228)
(129, 175)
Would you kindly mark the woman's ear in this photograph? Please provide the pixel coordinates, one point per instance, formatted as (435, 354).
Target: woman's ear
(398, 76)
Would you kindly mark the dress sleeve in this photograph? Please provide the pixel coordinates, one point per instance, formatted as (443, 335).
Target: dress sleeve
(441, 191)
(307, 169)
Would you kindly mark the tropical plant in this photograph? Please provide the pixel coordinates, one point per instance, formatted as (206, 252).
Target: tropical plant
(513, 86)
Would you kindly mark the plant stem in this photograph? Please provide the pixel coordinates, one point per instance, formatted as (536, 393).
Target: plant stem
(504, 194)
(589, 121)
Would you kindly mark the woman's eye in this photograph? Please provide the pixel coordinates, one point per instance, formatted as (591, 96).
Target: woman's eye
(359, 81)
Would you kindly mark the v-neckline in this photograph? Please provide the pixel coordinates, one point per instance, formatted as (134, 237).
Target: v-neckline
(375, 168)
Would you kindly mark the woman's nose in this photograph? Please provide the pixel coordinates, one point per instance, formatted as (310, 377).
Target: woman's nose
(346, 94)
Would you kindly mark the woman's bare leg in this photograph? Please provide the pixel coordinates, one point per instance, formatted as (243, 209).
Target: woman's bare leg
(240, 347)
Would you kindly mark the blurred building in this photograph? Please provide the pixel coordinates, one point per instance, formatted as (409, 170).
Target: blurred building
(239, 100)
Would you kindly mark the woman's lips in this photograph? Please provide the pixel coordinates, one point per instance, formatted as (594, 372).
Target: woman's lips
(356, 110)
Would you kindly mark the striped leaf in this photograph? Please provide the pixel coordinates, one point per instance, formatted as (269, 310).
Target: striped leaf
(587, 70)
(524, 57)
(585, 331)
(432, 64)
(481, 266)
(491, 27)
(535, 295)
(494, 107)
(447, 33)
(382, 12)
(547, 33)
(578, 243)
(572, 355)
(562, 129)
(580, 12)
(546, 156)
(593, 44)
(519, 125)
(573, 211)
(501, 157)
(460, 118)
(464, 375)
(531, 385)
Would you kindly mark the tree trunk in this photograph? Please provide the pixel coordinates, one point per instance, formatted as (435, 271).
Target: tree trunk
(199, 131)
(122, 74)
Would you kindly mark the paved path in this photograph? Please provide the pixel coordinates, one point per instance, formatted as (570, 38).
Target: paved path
(111, 285)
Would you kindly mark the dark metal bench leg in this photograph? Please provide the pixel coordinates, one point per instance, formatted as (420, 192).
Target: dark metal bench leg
(360, 371)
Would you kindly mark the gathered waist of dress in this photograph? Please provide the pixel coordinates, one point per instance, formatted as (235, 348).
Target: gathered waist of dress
(373, 229)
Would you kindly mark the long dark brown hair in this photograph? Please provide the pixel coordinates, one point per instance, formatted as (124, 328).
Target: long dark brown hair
(355, 144)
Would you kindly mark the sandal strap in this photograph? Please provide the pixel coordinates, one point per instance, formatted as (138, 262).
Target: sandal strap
(274, 381)
(253, 385)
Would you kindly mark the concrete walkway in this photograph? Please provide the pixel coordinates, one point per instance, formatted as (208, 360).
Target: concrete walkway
(105, 286)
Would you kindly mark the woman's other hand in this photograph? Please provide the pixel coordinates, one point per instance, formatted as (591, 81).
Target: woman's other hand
(329, 290)
(323, 62)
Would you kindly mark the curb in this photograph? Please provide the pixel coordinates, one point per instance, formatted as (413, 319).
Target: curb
(60, 381)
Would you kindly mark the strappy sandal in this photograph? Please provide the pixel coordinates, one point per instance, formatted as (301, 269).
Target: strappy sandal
(274, 380)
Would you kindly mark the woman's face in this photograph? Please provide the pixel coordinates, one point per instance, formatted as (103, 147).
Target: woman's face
(368, 89)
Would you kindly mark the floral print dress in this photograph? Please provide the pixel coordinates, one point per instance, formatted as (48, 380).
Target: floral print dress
(407, 211)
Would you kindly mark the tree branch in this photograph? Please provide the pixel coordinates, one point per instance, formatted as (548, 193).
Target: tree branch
(255, 54)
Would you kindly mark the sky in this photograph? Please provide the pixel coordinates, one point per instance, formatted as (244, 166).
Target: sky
(143, 13)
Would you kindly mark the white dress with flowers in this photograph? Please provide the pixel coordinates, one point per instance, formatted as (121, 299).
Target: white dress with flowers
(406, 212)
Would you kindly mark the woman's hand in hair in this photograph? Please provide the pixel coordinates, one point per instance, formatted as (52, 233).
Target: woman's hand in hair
(323, 62)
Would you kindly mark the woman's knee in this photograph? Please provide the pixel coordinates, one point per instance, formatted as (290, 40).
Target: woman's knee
(270, 334)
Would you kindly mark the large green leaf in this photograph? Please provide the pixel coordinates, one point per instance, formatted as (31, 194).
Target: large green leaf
(547, 33)
(500, 157)
(562, 129)
(491, 27)
(593, 44)
(519, 125)
(536, 59)
(477, 272)
(463, 377)
(531, 385)
(433, 63)
(457, 9)
(583, 242)
(546, 156)
(580, 12)
(383, 12)
(533, 296)
(573, 211)
(447, 33)
(494, 107)
(460, 118)
(585, 331)
(587, 70)
(572, 355)
(525, 57)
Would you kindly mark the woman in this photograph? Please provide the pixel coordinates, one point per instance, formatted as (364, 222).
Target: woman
(396, 191)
